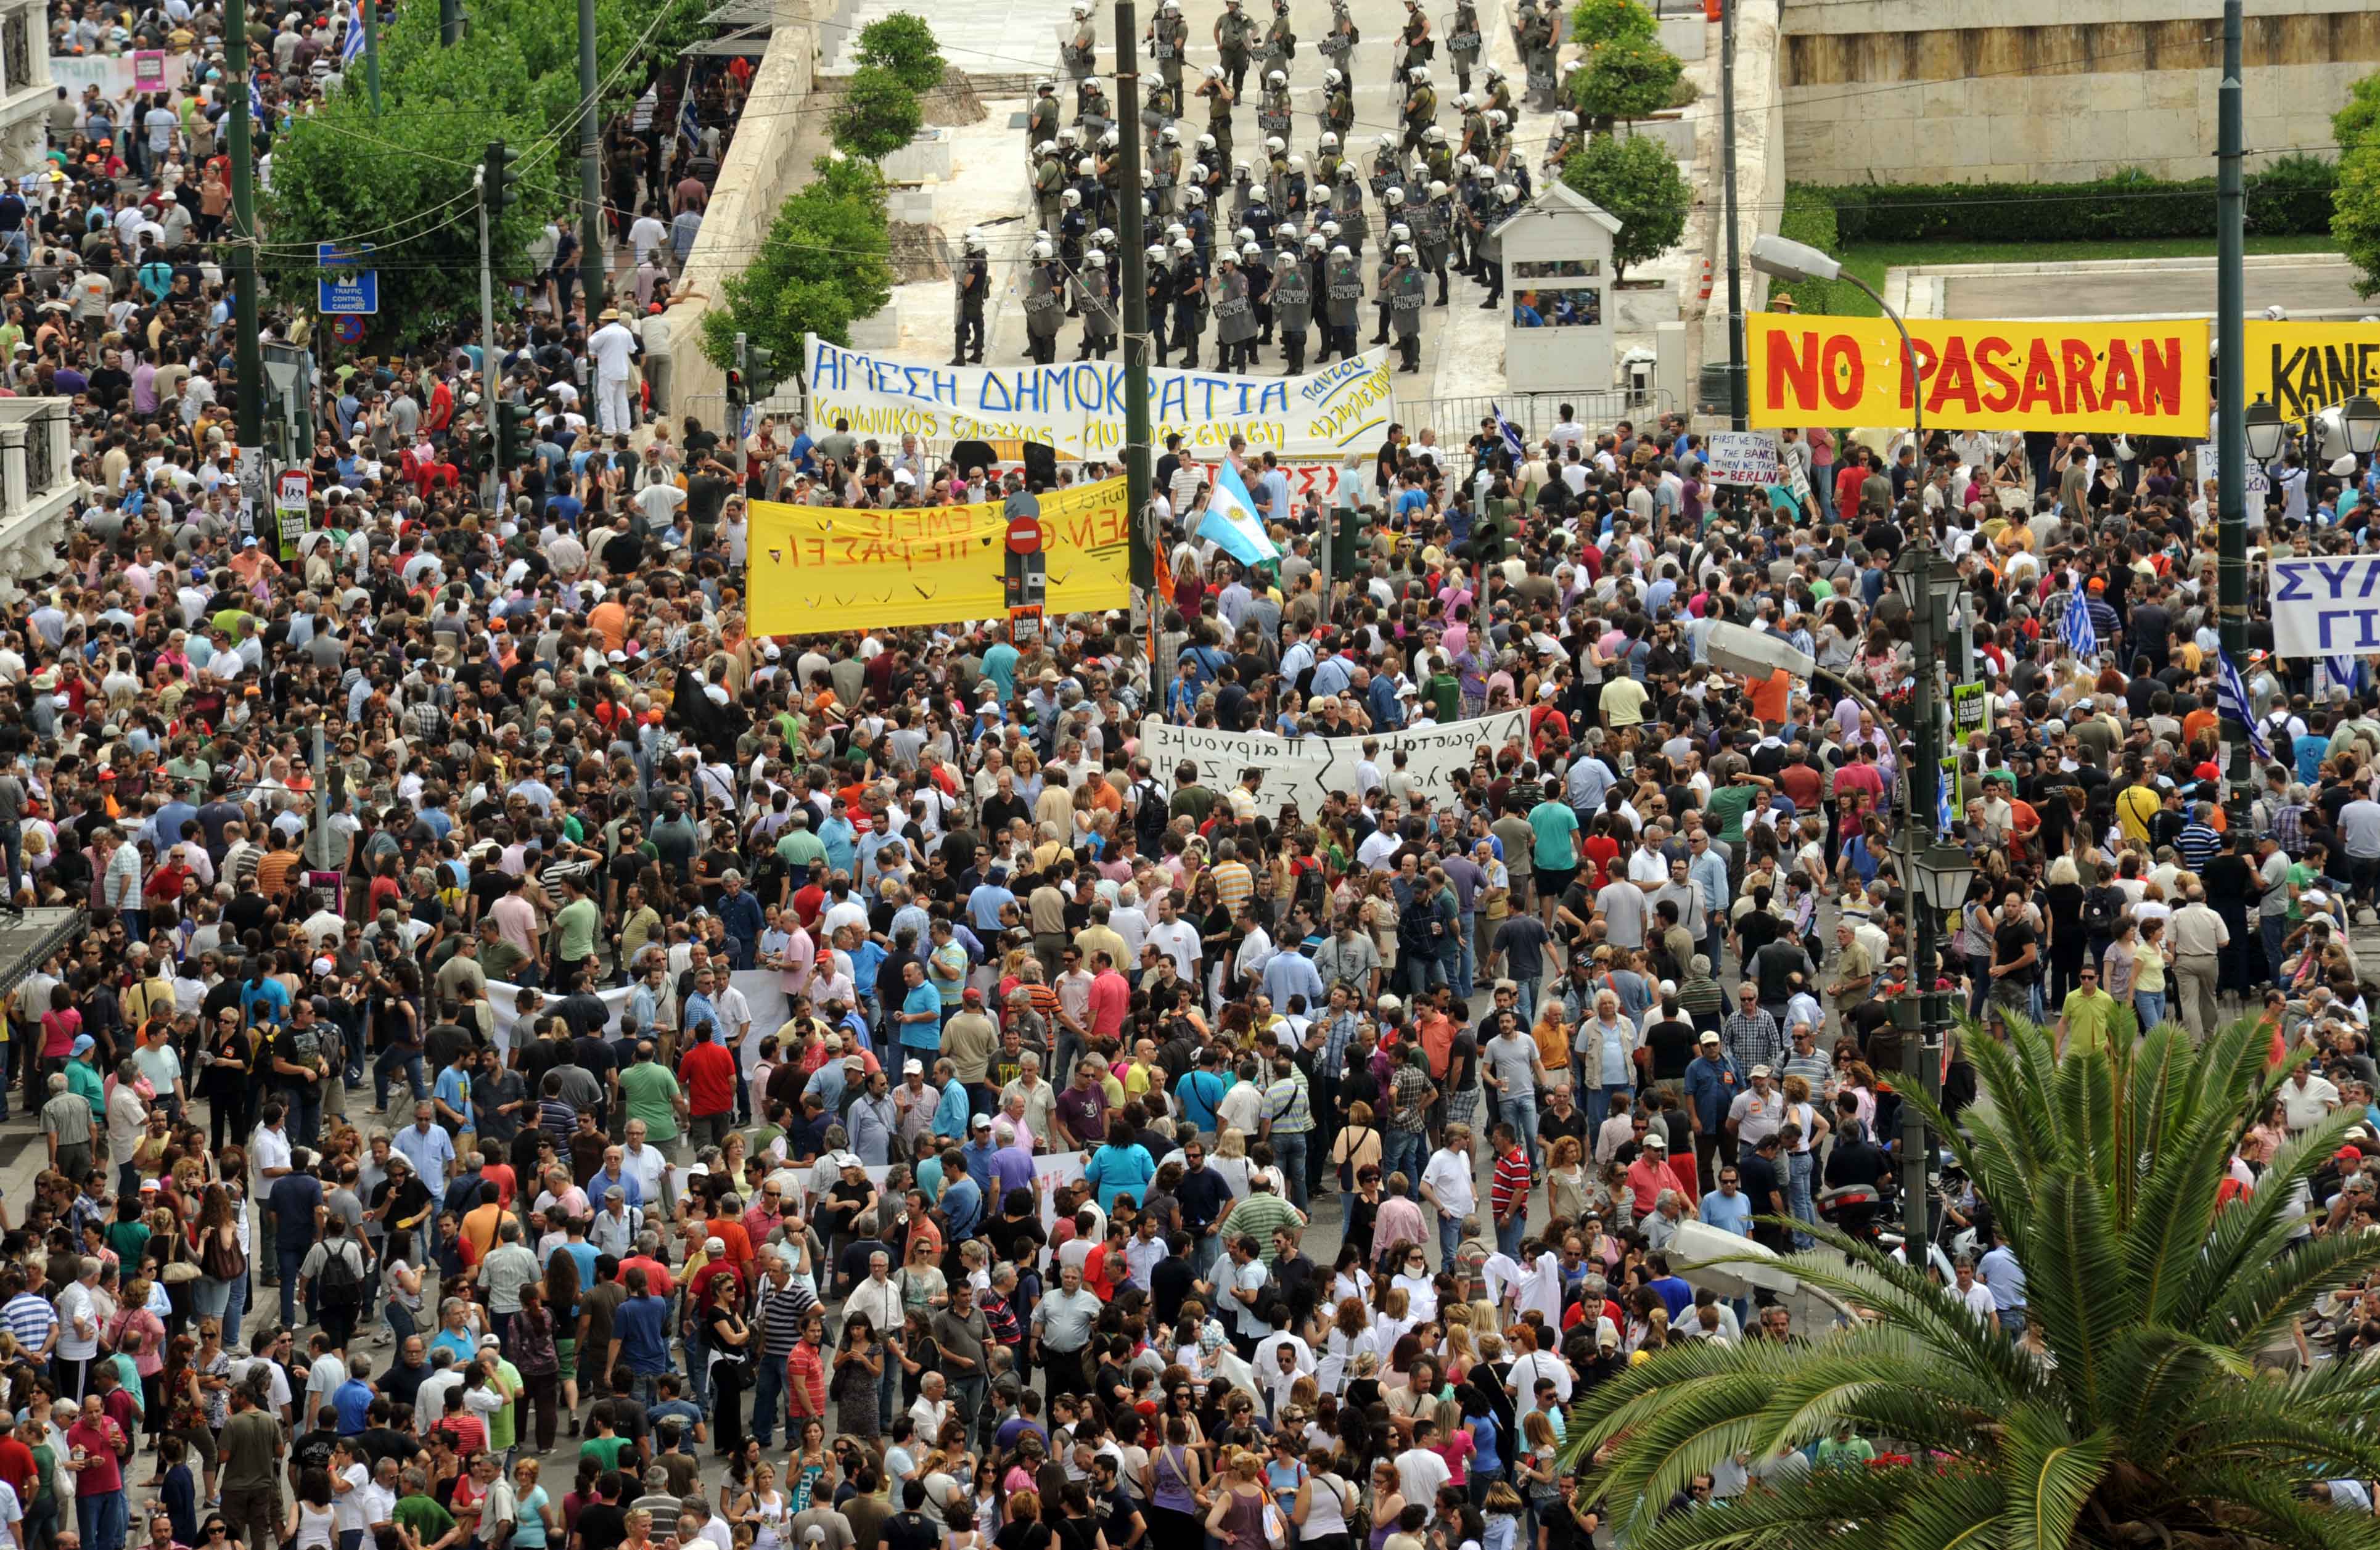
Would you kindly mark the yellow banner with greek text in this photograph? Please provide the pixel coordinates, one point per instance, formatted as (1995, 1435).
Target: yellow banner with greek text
(2141, 378)
(2303, 369)
(817, 569)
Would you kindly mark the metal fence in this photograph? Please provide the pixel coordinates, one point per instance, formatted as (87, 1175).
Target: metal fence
(1535, 414)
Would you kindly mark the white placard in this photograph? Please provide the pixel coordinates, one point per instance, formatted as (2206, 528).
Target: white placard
(1746, 457)
(2326, 607)
(1308, 770)
(2253, 481)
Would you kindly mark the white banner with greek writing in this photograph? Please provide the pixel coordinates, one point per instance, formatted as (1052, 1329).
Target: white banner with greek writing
(2324, 608)
(1303, 772)
(1077, 408)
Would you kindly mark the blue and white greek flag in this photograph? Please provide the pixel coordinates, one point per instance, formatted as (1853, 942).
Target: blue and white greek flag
(1511, 434)
(255, 103)
(353, 48)
(2081, 639)
(2339, 672)
(2231, 704)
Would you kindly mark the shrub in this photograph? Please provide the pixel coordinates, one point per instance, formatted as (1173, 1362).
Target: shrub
(1627, 77)
(1634, 180)
(1601, 21)
(2293, 197)
(1809, 218)
(877, 115)
(904, 45)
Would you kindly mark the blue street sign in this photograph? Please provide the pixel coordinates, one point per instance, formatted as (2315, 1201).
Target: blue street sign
(345, 288)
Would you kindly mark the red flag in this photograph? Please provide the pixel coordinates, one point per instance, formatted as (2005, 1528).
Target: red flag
(2279, 1051)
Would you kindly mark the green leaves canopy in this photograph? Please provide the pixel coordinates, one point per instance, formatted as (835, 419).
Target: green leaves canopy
(2152, 1425)
(2356, 217)
(1636, 182)
(825, 263)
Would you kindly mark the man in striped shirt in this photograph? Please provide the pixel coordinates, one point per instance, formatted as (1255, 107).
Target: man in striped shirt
(1507, 1191)
(28, 1315)
(781, 1303)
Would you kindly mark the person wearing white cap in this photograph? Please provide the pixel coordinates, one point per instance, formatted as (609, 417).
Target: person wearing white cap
(613, 348)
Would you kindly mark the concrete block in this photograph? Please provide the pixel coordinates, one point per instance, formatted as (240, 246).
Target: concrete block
(1807, 106)
(1643, 308)
(1675, 135)
(1688, 37)
(926, 159)
(2172, 89)
(1970, 142)
(1941, 99)
(2158, 134)
(881, 331)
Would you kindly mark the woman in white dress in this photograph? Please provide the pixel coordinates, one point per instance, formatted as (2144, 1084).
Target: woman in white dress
(1350, 1333)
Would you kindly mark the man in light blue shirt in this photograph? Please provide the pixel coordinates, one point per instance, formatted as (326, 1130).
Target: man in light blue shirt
(988, 899)
(2003, 1275)
(430, 1149)
(1728, 1207)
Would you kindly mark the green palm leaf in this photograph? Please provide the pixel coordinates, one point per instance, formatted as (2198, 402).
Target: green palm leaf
(2049, 1473)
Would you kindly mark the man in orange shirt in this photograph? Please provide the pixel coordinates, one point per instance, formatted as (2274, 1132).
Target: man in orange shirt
(708, 1071)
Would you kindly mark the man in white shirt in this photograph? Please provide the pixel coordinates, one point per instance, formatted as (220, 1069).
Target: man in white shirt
(1977, 1296)
(1420, 1471)
(613, 348)
(1448, 1183)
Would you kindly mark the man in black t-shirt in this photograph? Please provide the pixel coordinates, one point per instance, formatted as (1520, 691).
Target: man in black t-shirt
(2016, 954)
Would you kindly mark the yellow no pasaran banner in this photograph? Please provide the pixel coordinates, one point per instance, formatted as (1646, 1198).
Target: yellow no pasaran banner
(2145, 379)
(817, 569)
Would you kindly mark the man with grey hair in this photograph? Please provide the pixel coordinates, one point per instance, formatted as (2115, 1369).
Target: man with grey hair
(1661, 1227)
(618, 1226)
(66, 1129)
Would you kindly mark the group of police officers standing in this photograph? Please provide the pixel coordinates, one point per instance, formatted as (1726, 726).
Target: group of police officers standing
(1255, 256)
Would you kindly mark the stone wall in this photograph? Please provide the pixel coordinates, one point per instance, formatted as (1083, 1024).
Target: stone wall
(1906, 93)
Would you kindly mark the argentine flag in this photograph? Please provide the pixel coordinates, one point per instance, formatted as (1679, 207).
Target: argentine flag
(1231, 522)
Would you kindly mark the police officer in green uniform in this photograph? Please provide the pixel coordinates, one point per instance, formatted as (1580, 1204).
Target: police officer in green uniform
(1235, 323)
(1433, 225)
(1235, 34)
(1169, 37)
(1407, 292)
(1347, 209)
(1189, 301)
(1346, 294)
(1279, 40)
(1540, 43)
(1293, 306)
(1338, 106)
(1165, 167)
(1219, 98)
(1462, 42)
(1048, 183)
(1045, 303)
(972, 279)
(1041, 120)
(1095, 298)
(1421, 106)
(1080, 52)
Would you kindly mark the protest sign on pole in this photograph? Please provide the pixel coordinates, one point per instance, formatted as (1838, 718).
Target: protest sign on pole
(1742, 457)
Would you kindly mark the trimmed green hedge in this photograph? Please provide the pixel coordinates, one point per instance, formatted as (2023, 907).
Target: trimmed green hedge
(2293, 196)
(1809, 218)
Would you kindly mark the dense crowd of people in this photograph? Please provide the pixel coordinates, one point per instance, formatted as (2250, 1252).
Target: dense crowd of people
(639, 1036)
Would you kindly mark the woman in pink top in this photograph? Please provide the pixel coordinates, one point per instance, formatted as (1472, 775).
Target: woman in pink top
(60, 1024)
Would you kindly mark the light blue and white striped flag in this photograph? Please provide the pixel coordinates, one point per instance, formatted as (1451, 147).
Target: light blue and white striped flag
(1511, 434)
(352, 49)
(2339, 672)
(2081, 639)
(2231, 704)
(1231, 522)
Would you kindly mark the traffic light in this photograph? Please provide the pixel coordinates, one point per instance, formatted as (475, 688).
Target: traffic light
(736, 395)
(1346, 539)
(484, 451)
(501, 184)
(760, 373)
(515, 437)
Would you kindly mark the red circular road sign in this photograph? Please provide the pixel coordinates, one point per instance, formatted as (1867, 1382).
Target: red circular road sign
(1024, 535)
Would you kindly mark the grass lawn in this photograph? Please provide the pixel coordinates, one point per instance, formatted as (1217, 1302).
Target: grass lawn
(1870, 262)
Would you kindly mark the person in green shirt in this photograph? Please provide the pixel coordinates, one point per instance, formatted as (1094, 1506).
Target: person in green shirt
(1554, 853)
(83, 1078)
(503, 1425)
(605, 1444)
(1726, 806)
(574, 925)
(2085, 1015)
(799, 848)
(1845, 1448)
(650, 1094)
(418, 1511)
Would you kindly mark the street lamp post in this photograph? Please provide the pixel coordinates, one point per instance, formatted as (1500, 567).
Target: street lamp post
(1791, 260)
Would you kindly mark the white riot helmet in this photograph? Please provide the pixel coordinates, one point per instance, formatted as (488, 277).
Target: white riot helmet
(2276, 313)
(1395, 197)
(1087, 167)
(1434, 136)
(1493, 72)
(1496, 119)
(1404, 250)
(1195, 195)
(1507, 192)
(1275, 145)
(1466, 163)
(1418, 73)
(1438, 188)
(1047, 148)
(1251, 252)
(1567, 119)
(1346, 172)
(1314, 242)
(1244, 236)
(1041, 85)
(1071, 198)
(1296, 163)
(1276, 79)
(1340, 251)
(1205, 143)
(1327, 142)
(1156, 253)
(1169, 135)
(973, 240)
(1240, 172)
(1096, 259)
(1386, 142)
(1043, 252)
(1041, 236)
(1285, 232)
(1111, 140)
(1331, 77)
(1182, 246)
(1091, 87)
(1214, 72)
(1465, 100)
(1175, 231)
(1330, 230)
(1225, 255)
(1082, 9)
(1103, 237)
(1401, 233)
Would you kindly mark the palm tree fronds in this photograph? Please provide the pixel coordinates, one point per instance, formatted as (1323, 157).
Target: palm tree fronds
(2048, 1473)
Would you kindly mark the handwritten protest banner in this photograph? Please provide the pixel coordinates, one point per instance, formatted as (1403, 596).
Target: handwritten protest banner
(1300, 773)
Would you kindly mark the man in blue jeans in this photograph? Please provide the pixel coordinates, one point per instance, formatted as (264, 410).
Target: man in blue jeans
(640, 1335)
(299, 1211)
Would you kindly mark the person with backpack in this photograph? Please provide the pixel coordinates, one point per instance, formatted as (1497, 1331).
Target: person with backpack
(333, 1276)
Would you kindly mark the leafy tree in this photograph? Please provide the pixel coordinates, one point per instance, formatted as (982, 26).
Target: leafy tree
(877, 115)
(2355, 218)
(2151, 1423)
(904, 45)
(1634, 181)
(825, 263)
(1599, 21)
(1626, 77)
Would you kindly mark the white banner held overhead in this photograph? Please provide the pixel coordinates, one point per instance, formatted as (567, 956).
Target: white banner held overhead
(2324, 607)
(1303, 771)
(2253, 480)
(1746, 457)
(1077, 408)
